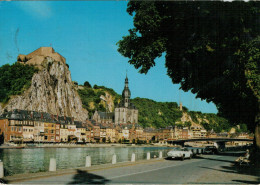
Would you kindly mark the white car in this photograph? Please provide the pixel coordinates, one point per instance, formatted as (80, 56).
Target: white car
(179, 153)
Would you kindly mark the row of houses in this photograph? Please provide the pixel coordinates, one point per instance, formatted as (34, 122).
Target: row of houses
(31, 126)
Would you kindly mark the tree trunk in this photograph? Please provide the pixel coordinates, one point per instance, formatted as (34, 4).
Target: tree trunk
(257, 131)
(257, 137)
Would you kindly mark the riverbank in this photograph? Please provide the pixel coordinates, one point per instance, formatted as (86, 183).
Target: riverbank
(91, 145)
(205, 169)
(19, 178)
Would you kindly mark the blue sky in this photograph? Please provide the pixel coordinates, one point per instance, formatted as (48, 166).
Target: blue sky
(86, 33)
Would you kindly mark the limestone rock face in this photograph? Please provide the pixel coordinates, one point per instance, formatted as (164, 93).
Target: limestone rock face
(107, 101)
(52, 90)
(186, 118)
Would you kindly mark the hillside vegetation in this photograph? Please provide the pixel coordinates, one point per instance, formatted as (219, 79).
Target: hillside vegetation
(14, 80)
(157, 114)
(91, 100)
(152, 113)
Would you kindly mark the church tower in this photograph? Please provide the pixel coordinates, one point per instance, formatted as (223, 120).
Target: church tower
(125, 111)
(126, 94)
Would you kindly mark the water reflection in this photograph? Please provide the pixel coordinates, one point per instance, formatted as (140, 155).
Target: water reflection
(37, 159)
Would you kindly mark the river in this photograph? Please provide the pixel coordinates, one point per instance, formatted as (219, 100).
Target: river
(32, 160)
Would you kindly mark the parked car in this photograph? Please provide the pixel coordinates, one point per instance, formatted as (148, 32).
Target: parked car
(211, 150)
(181, 153)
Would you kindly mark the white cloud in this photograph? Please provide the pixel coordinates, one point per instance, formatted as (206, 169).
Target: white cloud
(40, 9)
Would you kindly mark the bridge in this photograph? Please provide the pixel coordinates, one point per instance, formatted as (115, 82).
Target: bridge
(219, 141)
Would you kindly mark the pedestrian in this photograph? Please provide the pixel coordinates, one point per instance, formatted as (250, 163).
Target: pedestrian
(242, 158)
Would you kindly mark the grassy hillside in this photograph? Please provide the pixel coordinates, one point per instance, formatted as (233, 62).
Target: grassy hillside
(91, 98)
(210, 121)
(157, 114)
(14, 80)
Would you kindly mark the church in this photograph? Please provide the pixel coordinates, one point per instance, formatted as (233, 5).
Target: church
(126, 112)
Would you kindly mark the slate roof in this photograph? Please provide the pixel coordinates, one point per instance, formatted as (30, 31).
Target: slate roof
(106, 115)
(17, 114)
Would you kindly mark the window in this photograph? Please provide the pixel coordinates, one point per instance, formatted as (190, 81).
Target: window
(45, 137)
(20, 129)
(12, 128)
(52, 131)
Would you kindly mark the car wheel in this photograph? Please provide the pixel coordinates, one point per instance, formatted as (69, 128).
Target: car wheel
(182, 158)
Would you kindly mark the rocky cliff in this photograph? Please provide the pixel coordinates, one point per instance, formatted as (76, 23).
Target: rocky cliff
(52, 89)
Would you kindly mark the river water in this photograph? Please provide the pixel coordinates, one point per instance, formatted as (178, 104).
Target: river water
(33, 160)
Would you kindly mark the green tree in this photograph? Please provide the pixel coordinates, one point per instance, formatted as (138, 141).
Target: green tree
(212, 49)
(187, 124)
(15, 79)
(243, 128)
(87, 84)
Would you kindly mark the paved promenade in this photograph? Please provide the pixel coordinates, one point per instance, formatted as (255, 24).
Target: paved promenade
(203, 169)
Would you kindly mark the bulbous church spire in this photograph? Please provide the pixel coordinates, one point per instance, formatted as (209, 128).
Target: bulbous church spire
(126, 94)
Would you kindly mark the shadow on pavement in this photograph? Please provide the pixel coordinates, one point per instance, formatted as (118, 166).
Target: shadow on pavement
(246, 182)
(2, 181)
(172, 159)
(83, 177)
(214, 159)
(236, 169)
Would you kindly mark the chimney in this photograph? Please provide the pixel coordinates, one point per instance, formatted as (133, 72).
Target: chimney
(72, 119)
(41, 115)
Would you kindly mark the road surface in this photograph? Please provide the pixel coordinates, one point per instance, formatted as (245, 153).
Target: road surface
(204, 169)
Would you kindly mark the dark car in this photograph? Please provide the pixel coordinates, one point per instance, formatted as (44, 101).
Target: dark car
(211, 150)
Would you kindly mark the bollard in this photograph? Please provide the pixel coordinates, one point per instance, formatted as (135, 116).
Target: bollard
(114, 159)
(133, 157)
(1, 169)
(148, 155)
(52, 167)
(88, 161)
(160, 154)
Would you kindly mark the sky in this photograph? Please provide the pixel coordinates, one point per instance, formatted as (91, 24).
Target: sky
(86, 33)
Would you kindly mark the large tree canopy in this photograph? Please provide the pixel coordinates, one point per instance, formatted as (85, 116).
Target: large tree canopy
(212, 49)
